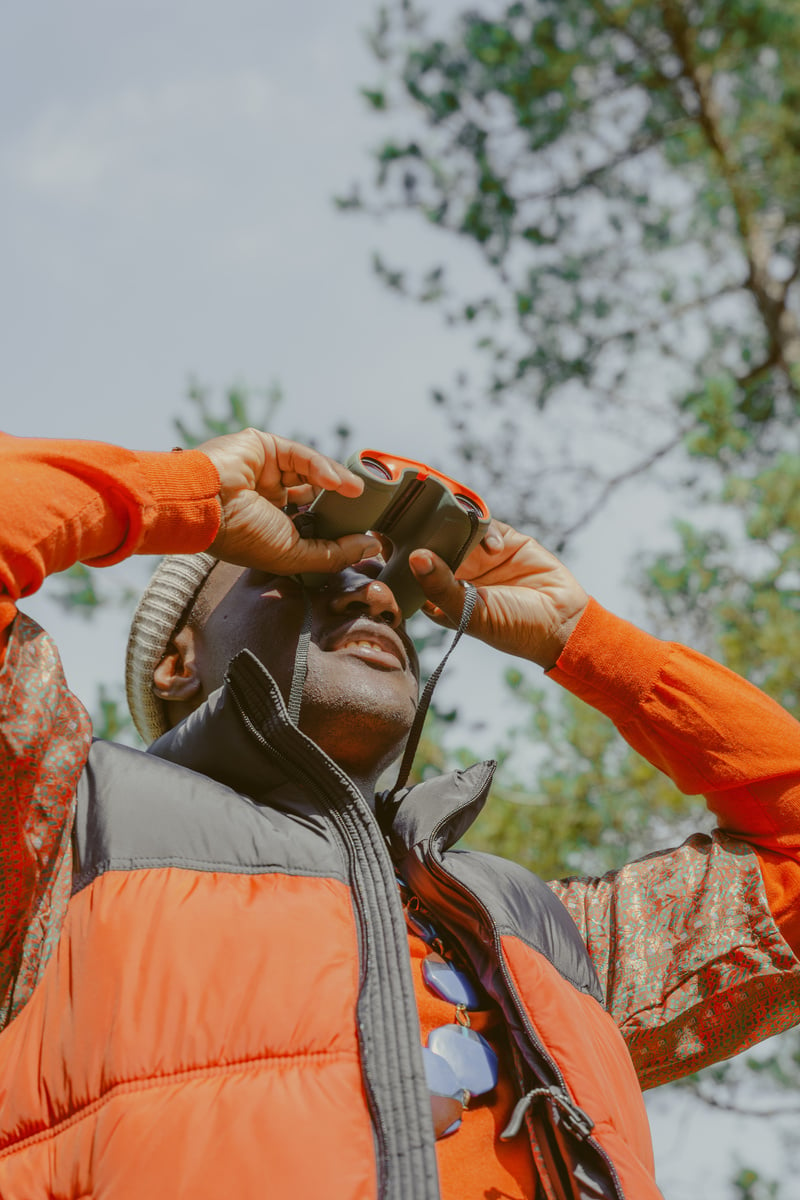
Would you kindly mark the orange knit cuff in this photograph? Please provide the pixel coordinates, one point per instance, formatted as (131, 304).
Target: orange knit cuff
(609, 663)
(181, 510)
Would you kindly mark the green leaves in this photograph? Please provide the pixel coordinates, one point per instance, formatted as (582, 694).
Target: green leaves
(720, 426)
(375, 98)
(76, 591)
(738, 600)
(569, 798)
(237, 412)
(628, 174)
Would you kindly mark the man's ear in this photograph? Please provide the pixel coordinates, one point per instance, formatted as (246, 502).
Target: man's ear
(176, 677)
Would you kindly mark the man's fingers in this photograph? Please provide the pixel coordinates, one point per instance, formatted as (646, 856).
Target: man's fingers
(300, 464)
(316, 554)
(437, 616)
(493, 538)
(302, 494)
(438, 583)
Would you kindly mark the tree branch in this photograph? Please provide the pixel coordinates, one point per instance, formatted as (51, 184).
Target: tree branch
(728, 1106)
(614, 482)
(673, 314)
(571, 189)
(770, 296)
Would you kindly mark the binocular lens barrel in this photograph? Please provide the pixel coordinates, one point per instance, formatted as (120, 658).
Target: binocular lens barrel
(468, 505)
(375, 467)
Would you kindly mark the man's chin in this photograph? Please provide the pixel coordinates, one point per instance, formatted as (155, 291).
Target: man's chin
(367, 721)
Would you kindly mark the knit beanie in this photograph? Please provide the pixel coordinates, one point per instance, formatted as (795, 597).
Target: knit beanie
(162, 610)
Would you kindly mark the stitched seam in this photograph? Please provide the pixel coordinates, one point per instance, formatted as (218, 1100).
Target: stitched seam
(205, 867)
(129, 1086)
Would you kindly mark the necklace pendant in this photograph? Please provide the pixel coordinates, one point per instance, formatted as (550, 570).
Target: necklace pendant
(448, 1098)
(472, 1059)
(449, 983)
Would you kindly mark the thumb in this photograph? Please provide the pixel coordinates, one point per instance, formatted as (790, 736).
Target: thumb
(439, 584)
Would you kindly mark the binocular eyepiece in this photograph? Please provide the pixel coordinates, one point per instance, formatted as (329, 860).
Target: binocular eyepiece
(412, 506)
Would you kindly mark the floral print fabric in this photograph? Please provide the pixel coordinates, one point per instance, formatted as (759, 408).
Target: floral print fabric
(45, 736)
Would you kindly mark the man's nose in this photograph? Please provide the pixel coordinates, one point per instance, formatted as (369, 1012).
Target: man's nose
(365, 596)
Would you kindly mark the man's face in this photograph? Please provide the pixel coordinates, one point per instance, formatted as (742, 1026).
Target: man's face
(361, 688)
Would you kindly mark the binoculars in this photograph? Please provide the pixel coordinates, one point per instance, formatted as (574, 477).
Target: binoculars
(412, 507)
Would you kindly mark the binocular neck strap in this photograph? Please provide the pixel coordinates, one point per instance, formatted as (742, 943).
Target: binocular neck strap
(470, 599)
(300, 663)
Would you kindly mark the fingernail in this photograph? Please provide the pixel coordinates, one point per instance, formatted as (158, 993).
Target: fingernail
(423, 564)
(372, 546)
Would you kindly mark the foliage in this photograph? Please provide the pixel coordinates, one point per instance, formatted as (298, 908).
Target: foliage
(745, 599)
(590, 805)
(749, 1185)
(237, 412)
(625, 175)
(77, 592)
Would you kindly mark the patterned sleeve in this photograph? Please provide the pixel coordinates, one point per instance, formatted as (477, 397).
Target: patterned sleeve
(694, 964)
(44, 739)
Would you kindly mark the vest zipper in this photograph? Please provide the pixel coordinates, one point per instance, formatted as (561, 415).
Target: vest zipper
(398, 1098)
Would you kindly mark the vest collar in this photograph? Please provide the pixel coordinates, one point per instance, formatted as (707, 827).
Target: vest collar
(215, 741)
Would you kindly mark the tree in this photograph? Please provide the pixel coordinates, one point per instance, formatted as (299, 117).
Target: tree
(625, 173)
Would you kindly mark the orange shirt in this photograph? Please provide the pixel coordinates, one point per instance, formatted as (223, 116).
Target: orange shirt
(65, 502)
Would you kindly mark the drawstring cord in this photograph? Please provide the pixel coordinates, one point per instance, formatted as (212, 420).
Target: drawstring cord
(300, 663)
(470, 599)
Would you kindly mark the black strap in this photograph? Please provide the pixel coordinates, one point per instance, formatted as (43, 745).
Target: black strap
(300, 663)
(470, 599)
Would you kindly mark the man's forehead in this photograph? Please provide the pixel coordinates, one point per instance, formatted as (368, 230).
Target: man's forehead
(225, 580)
(221, 582)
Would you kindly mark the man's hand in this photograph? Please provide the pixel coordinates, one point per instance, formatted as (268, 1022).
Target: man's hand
(259, 473)
(528, 602)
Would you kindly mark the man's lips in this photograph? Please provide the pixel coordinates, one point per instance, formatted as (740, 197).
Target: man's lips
(377, 644)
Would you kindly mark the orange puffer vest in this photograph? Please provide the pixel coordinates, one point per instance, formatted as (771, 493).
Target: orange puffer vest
(230, 1008)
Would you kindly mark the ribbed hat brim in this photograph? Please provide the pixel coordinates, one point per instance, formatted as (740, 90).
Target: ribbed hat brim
(175, 585)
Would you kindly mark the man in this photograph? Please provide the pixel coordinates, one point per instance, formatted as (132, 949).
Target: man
(220, 962)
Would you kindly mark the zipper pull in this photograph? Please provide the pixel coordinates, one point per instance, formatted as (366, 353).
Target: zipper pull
(574, 1117)
(520, 1108)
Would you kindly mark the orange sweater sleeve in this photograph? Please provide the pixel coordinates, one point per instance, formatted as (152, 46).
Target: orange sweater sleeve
(706, 728)
(66, 501)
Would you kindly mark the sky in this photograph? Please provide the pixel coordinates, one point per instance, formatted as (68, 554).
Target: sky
(168, 174)
(166, 179)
